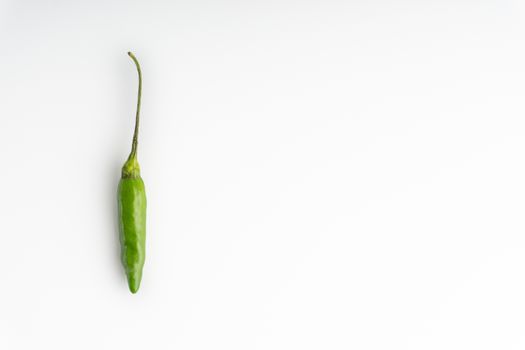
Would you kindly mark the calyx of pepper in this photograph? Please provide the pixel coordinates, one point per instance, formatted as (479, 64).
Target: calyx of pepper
(131, 168)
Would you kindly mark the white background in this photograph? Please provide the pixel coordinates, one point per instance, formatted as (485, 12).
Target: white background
(320, 174)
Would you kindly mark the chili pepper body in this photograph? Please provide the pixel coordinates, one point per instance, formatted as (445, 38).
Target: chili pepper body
(132, 227)
(131, 195)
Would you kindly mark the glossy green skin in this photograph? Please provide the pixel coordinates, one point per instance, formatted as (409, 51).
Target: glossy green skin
(132, 223)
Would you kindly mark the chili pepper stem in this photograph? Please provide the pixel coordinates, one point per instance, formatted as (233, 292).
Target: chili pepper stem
(137, 117)
(131, 168)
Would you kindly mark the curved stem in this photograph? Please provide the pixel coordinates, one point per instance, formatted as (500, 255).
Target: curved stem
(137, 117)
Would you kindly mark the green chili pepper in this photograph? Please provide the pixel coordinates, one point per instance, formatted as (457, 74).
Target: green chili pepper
(132, 207)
